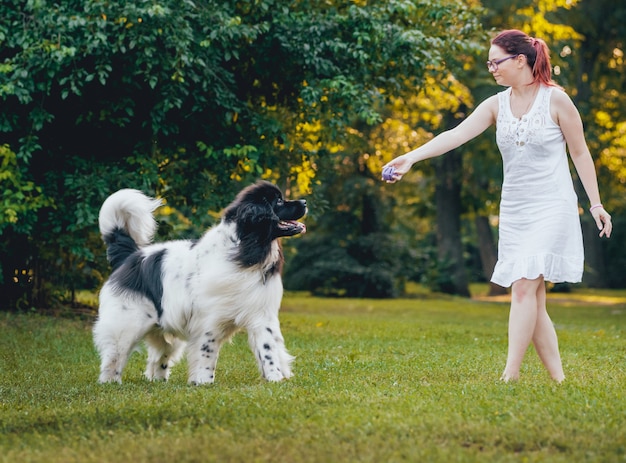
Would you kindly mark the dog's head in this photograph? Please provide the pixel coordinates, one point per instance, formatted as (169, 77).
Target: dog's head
(261, 212)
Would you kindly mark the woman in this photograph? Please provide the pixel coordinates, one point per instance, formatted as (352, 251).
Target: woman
(540, 236)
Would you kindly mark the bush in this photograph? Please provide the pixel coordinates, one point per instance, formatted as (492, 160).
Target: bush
(366, 266)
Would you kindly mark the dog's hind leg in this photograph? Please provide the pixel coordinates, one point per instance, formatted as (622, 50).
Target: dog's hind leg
(268, 345)
(112, 365)
(163, 352)
(114, 350)
(119, 328)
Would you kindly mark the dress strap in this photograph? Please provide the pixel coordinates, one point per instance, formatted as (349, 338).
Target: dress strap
(503, 102)
(544, 98)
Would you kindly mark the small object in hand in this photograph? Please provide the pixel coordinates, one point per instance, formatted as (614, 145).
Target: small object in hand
(388, 173)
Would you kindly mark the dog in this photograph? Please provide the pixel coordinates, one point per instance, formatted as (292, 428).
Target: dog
(191, 296)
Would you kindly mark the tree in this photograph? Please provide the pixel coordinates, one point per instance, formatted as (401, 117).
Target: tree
(190, 101)
(597, 59)
(367, 260)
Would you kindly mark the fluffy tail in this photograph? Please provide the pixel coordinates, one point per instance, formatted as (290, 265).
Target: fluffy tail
(126, 223)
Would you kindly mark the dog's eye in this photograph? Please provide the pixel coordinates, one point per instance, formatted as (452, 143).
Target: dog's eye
(279, 202)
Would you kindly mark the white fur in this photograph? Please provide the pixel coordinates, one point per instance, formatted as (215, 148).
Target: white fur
(129, 210)
(206, 298)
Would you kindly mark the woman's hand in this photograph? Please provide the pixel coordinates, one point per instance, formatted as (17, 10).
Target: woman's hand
(603, 221)
(401, 165)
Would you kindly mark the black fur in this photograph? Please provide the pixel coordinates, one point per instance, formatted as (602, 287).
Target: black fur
(142, 275)
(119, 247)
(259, 212)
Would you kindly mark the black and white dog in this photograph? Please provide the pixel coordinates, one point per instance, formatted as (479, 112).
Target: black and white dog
(194, 295)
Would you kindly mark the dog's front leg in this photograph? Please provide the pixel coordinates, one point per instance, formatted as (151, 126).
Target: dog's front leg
(268, 345)
(202, 354)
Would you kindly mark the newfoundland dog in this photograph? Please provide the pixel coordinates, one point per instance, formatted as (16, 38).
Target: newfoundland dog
(194, 295)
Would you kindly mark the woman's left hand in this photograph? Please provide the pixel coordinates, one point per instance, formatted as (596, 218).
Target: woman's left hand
(603, 221)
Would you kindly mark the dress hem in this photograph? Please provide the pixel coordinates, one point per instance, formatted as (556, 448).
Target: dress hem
(507, 283)
(555, 269)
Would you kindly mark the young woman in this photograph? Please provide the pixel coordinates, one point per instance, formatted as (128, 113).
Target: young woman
(540, 236)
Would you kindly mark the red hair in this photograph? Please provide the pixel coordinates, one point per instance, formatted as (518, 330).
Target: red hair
(537, 54)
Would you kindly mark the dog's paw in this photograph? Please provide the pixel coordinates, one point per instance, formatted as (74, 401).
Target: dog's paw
(275, 376)
(156, 372)
(105, 379)
(195, 382)
(155, 378)
(201, 378)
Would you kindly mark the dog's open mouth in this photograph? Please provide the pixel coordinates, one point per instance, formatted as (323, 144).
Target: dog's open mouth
(291, 227)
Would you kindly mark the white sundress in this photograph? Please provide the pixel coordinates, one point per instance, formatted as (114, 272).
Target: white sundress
(539, 230)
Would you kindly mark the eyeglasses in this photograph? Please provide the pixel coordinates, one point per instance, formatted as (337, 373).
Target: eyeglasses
(493, 65)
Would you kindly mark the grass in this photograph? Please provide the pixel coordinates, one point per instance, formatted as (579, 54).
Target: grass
(376, 381)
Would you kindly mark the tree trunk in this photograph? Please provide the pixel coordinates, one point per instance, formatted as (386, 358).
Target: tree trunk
(488, 252)
(448, 175)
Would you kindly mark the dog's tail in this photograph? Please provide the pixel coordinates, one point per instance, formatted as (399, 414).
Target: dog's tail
(126, 223)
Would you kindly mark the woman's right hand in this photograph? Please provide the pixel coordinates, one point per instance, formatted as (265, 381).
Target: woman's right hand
(401, 165)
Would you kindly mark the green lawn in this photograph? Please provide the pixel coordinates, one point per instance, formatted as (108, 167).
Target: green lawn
(375, 380)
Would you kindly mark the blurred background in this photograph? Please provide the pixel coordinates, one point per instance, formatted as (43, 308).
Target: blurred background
(191, 101)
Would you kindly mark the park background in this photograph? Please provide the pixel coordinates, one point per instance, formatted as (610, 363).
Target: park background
(191, 101)
(398, 336)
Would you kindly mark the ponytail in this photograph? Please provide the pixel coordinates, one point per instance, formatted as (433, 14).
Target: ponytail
(542, 69)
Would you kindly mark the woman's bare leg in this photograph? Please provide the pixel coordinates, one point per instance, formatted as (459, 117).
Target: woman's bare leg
(522, 323)
(545, 339)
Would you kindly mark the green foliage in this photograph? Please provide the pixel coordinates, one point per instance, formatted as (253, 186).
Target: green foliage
(348, 250)
(364, 266)
(402, 380)
(21, 198)
(192, 101)
(20, 202)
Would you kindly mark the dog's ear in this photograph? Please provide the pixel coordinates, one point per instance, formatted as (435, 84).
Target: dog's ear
(253, 218)
(254, 213)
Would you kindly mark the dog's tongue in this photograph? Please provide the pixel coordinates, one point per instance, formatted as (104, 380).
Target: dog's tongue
(295, 224)
(299, 225)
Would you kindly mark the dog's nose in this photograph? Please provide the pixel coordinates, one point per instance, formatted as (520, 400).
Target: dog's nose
(303, 202)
